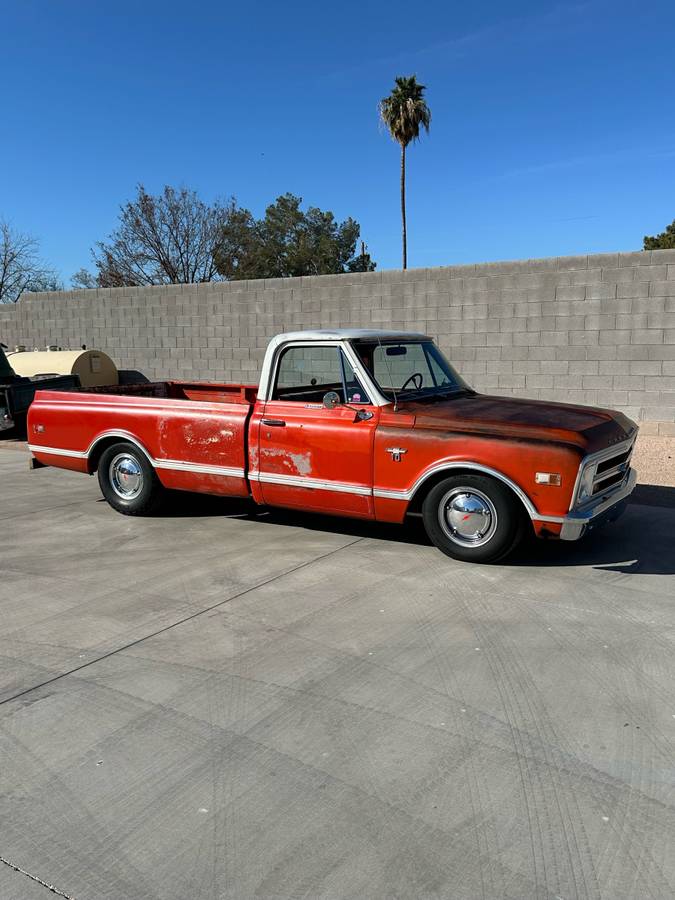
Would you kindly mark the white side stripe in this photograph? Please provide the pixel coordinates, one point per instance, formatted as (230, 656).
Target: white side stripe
(57, 451)
(312, 483)
(176, 465)
(392, 495)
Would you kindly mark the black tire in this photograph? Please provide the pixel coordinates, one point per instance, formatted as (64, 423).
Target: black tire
(128, 481)
(474, 518)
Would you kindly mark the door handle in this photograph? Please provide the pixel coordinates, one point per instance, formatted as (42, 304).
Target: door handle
(279, 423)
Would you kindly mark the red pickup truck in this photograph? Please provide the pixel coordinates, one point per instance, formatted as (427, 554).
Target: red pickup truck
(371, 424)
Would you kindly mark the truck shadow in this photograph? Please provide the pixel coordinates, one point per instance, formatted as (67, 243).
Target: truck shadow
(641, 542)
(13, 437)
(181, 505)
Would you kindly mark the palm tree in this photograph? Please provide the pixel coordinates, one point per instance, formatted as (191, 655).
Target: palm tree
(404, 111)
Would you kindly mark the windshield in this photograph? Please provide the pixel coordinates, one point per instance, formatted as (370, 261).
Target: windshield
(409, 369)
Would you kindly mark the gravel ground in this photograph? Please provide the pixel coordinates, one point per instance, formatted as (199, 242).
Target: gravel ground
(654, 459)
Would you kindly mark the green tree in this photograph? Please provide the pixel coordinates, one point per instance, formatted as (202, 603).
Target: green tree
(404, 112)
(362, 262)
(663, 241)
(286, 242)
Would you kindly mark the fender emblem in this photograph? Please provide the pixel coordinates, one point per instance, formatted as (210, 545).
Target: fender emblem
(396, 453)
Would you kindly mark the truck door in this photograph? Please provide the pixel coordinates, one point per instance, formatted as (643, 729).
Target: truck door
(309, 456)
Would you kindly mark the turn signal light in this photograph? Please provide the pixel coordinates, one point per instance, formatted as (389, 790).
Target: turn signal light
(548, 478)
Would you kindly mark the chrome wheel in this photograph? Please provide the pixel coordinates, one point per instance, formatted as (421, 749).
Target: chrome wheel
(126, 476)
(467, 516)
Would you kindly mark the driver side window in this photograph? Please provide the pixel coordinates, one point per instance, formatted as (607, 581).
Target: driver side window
(306, 374)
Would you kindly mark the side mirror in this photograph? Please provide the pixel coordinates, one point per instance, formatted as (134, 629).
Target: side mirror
(331, 400)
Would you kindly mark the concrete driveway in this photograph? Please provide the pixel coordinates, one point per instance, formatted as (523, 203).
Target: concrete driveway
(219, 704)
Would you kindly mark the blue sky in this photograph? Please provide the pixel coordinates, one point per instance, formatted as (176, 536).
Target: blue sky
(553, 126)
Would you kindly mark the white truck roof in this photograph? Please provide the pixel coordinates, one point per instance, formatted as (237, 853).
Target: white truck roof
(348, 334)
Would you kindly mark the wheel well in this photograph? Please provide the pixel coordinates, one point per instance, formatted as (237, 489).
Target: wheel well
(101, 446)
(418, 498)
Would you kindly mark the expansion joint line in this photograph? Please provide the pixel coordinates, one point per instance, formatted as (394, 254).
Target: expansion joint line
(46, 884)
(191, 617)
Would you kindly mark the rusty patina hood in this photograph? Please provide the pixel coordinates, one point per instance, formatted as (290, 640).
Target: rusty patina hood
(588, 428)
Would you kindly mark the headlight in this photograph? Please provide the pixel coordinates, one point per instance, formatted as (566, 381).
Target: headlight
(585, 490)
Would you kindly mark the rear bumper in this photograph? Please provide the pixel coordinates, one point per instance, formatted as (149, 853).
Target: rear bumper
(605, 508)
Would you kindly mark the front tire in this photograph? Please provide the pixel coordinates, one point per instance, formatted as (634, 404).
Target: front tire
(473, 518)
(128, 481)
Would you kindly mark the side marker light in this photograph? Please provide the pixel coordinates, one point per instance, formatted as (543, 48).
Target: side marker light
(552, 478)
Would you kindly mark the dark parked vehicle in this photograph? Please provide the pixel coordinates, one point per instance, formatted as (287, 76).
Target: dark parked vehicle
(17, 392)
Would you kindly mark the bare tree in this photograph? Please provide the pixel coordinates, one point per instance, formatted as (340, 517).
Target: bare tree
(83, 278)
(21, 267)
(163, 239)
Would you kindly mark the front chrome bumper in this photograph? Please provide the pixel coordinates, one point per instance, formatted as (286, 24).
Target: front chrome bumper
(604, 507)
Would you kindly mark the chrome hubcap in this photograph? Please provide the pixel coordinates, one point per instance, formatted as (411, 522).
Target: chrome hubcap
(467, 516)
(126, 476)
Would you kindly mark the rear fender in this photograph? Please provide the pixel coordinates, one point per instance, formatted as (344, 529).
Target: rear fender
(107, 439)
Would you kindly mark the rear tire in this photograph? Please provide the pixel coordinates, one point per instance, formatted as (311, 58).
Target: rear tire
(473, 518)
(128, 481)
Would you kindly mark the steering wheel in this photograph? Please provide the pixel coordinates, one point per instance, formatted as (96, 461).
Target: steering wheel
(417, 384)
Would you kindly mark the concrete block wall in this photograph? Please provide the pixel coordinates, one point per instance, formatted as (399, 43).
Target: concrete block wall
(596, 329)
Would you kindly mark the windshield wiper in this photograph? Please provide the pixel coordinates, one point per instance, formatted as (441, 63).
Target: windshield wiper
(412, 392)
(438, 394)
(433, 394)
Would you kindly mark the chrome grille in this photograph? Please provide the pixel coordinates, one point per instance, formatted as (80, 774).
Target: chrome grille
(612, 471)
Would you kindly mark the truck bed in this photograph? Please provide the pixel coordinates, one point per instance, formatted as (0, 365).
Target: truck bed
(193, 433)
(213, 392)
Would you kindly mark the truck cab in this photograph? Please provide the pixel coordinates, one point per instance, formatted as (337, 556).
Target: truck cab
(402, 433)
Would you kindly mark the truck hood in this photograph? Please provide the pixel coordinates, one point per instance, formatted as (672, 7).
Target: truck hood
(588, 428)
